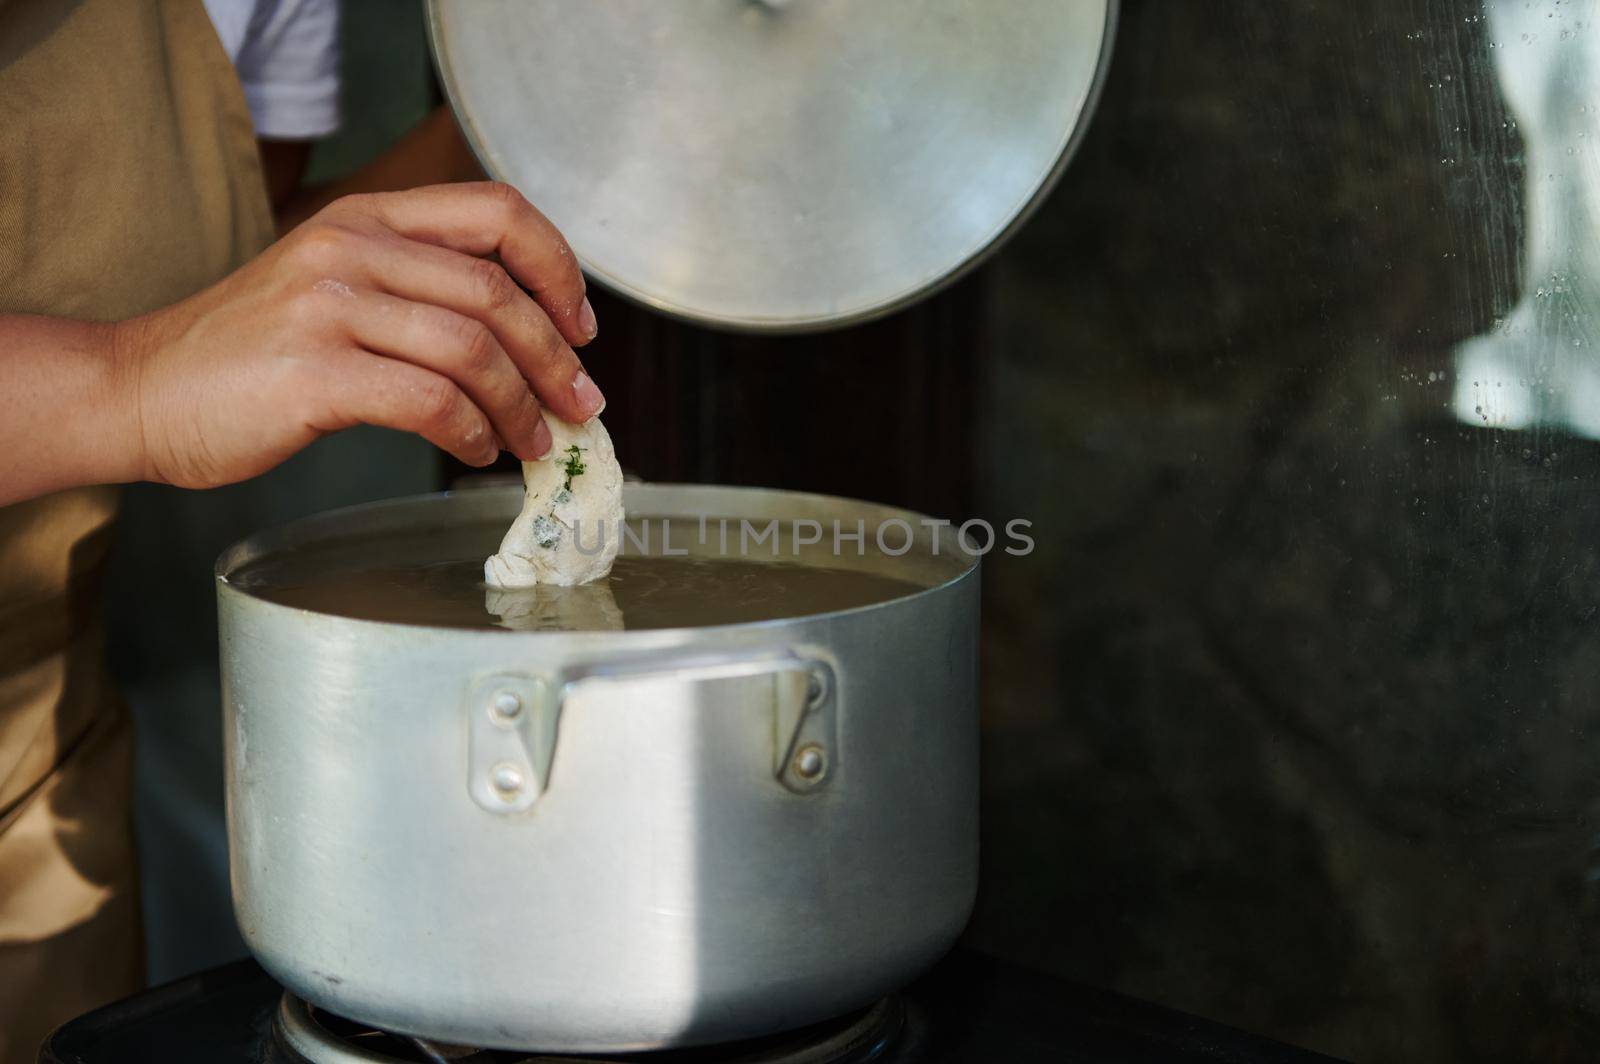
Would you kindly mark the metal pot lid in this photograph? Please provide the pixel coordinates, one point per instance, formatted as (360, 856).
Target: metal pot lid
(781, 165)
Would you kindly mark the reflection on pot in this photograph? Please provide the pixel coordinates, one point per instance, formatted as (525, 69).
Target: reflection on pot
(551, 608)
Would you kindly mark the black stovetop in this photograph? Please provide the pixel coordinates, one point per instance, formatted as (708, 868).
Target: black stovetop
(968, 1008)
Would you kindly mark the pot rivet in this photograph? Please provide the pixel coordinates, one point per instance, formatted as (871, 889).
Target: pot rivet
(507, 780)
(811, 762)
(814, 688)
(505, 705)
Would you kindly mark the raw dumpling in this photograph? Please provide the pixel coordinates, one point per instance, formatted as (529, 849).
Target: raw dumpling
(571, 521)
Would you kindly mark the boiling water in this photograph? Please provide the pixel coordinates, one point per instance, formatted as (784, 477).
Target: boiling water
(437, 579)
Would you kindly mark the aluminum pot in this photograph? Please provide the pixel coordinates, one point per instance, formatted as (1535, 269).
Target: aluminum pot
(602, 841)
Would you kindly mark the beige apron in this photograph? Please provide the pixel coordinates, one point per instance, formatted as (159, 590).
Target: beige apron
(128, 180)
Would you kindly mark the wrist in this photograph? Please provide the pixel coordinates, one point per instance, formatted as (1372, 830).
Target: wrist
(118, 405)
(68, 416)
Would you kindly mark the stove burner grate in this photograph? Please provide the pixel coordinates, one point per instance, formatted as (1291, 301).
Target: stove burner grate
(314, 1036)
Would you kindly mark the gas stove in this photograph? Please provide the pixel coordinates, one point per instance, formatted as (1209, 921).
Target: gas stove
(969, 1008)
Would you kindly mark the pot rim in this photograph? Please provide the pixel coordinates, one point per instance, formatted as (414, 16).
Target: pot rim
(318, 526)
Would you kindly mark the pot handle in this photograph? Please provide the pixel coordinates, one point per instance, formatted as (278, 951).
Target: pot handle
(511, 738)
(513, 719)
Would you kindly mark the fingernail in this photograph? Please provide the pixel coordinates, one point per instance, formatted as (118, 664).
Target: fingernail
(541, 439)
(589, 397)
(586, 322)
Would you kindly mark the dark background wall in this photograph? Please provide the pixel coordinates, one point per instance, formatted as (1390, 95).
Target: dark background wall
(1286, 719)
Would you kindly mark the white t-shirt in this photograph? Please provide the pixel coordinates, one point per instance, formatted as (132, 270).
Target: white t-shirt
(287, 55)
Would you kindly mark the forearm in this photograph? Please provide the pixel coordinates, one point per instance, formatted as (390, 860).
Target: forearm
(69, 414)
(433, 153)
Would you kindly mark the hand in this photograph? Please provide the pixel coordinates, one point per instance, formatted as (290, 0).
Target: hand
(386, 309)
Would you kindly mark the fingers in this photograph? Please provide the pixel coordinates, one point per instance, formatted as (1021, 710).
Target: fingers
(490, 218)
(459, 348)
(373, 390)
(482, 290)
